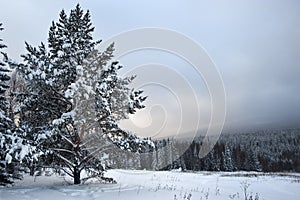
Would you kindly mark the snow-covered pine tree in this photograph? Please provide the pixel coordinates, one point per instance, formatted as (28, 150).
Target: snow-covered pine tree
(227, 159)
(5, 122)
(12, 147)
(169, 157)
(75, 95)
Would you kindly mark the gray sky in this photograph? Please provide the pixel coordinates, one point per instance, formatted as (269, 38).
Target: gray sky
(254, 44)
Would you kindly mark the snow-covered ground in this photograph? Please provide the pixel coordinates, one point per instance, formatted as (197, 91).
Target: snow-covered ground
(146, 185)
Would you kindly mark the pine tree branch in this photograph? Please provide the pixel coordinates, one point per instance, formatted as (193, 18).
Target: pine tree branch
(67, 162)
(68, 140)
(92, 155)
(62, 168)
(63, 150)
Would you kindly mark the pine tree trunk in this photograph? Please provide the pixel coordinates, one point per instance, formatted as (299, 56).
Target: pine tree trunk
(32, 169)
(76, 176)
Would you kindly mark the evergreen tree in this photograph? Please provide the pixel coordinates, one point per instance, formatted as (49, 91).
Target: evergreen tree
(12, 147)
(227, 159)
(5, 122)
(254, 163)
(169, 154)
(74, 94)
(154, 158)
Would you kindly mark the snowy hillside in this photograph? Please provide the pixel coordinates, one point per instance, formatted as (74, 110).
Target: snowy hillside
(160, 185)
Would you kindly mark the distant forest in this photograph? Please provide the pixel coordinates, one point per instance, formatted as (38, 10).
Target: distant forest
(265, 151)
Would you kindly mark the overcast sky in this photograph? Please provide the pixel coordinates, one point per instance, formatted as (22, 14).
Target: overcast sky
(254, 44)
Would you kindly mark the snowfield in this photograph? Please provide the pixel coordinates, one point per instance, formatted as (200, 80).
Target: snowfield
(165, 185)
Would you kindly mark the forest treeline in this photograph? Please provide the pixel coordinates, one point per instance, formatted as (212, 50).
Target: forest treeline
(266, 151)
